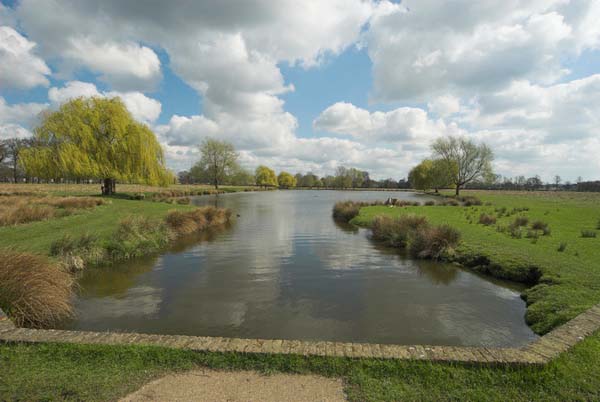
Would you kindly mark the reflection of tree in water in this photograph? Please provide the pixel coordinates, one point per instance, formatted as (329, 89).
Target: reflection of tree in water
(346, 227)
(115, 280)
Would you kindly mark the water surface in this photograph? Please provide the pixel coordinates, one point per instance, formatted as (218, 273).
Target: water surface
(285, 270)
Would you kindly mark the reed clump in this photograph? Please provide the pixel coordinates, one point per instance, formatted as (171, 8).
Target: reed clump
(16, 210)
(345, 211)
(33, 291)
(414, 233)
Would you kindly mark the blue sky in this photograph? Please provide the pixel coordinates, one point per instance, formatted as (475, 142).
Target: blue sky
(374, 82)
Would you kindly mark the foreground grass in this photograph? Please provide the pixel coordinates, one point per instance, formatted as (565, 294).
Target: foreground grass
(570, 281)
(95, 372)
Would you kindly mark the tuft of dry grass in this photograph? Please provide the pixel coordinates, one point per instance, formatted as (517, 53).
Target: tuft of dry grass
(185, 223)
(18, 209)
(34, 292)
(346, 210)
(487, 219)
(414, 233)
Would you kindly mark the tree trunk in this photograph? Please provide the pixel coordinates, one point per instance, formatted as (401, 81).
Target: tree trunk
(216, 183)
(457, 190)
(108, 186)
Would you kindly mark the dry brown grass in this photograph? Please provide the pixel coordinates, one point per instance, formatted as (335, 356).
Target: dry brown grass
(33, 291)
(19, 209)
(185, 223)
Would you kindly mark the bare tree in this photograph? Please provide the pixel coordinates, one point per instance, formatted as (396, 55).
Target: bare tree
(14, 146)
(472, 161)
(3, 150)
(557, 180)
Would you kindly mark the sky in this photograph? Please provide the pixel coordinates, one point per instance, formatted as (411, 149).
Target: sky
(313, 85)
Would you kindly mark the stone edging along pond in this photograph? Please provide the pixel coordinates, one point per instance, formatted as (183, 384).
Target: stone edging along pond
(539, 352)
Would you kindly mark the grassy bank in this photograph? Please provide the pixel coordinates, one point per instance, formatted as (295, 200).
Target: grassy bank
(93, 372)
(536, 237)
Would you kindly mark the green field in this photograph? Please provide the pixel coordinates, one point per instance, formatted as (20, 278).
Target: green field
(569, 284)
(101, 221)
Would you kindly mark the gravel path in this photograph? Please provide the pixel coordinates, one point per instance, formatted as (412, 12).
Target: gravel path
(234, 386)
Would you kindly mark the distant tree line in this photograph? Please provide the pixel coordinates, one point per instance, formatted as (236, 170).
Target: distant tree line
(218, 165)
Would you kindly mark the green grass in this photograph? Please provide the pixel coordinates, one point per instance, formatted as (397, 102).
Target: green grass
(570, 281)
(102, 222)
(94, 372)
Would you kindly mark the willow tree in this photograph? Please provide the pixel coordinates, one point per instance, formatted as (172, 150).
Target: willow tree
(286, 180)
(265, 177)
(95, 138)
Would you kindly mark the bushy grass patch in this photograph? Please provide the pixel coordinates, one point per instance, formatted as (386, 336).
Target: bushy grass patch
(487, 219)
(344, 211)
(18, 209)
(34, 292)
(415, 234)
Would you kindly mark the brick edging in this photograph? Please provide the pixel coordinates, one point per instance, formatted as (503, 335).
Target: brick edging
(538, 352)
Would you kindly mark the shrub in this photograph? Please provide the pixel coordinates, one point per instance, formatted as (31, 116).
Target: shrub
(469, 201)
(137, 196)
(137, 236)
(562, 247)
(34, 292)
(520, 221)
(395, 232)
(588, 233)
(415, 233)
(433, 242)
(185, 223)
(25, 213)
(486, 219)
(345, 211)
(429, 203)
(77, 202)
(183, 200)
(76, 254)
(541, 226)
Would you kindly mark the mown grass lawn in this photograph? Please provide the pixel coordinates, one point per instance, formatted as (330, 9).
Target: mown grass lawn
(570, 281)
(101, 373)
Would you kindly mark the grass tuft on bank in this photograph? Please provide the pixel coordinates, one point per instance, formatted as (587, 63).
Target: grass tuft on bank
(34, 291)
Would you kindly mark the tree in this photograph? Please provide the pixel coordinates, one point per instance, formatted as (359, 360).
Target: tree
(240, 177)
(419, 176)
(95, 138)
(3, 150)
(343, 177)
(265, 177)
(286, 180)
(431, 174)
(472, 161)
(13, 148)
(218, 160)
(557, 180)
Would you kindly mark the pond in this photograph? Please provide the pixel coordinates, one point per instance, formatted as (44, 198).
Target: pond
(285, 270)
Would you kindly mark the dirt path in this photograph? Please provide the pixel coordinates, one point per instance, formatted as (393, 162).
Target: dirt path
(217, 386)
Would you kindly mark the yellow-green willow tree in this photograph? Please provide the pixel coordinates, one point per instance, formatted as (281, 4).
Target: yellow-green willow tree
(96, 138)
